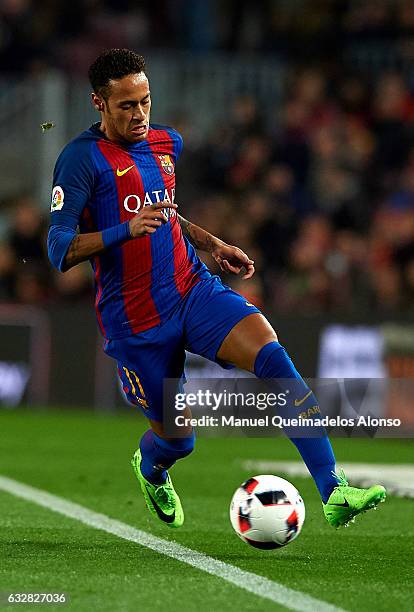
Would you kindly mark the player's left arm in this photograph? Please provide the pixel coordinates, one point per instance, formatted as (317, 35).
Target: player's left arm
(229, 258)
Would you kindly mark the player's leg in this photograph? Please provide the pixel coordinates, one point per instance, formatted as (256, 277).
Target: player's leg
(223, 327)
(144, 361)
(160, 452)
(252, 346)
(151, 462)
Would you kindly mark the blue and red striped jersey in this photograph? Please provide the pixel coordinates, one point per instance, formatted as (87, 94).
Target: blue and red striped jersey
(98, 184)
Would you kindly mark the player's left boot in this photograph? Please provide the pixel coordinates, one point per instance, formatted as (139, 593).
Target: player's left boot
(346, 502)
(162, 500)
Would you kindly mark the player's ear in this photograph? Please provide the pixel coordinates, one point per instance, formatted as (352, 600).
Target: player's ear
(98, 102)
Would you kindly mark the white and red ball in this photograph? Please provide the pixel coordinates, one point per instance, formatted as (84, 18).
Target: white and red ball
(267, 512)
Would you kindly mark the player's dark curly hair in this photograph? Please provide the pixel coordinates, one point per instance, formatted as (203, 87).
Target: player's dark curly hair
(113, 64)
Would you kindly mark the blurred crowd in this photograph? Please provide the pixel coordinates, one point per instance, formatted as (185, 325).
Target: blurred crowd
(322, 199)
(26, 276)
(35, 34)
(321, 195)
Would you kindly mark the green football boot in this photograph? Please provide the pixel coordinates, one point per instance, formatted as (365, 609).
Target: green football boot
(346, 502)
(162, 500)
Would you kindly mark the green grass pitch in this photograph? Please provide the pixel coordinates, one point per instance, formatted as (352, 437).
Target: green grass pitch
(85, 458)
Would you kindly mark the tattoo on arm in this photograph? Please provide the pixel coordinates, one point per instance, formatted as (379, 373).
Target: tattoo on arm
(82, 248)
(72, 254)
(199, 237)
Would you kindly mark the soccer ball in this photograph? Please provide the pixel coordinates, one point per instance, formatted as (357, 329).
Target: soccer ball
(267, 512)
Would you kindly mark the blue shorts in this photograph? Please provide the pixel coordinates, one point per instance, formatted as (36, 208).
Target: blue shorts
(199, 324)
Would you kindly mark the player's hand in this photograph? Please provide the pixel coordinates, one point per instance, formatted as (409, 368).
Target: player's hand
(232, 259)
(149, 218)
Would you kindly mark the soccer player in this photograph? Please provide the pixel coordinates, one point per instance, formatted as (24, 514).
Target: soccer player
(154, 297)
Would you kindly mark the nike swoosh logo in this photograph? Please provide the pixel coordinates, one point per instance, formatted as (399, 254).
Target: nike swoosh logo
(345, 504)
(167, 518)
(300, 402)
(122, 172)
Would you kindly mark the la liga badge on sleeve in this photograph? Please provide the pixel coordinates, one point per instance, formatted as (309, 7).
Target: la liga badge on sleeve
(57, 198)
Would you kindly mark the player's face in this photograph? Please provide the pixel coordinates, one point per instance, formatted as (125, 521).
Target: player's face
(126, 111)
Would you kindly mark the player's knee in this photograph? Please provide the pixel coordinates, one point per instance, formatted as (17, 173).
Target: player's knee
(177, 447)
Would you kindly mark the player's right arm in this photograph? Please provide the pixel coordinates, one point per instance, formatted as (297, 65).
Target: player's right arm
(74, 182)
(85, 246)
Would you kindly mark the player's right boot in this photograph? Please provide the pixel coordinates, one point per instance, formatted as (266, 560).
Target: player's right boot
(162, 500)
(346, 502)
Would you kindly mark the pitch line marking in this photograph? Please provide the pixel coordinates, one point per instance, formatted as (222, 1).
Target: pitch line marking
(253, 583)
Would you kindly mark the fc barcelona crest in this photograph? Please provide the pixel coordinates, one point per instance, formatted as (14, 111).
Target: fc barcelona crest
(166, 163)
